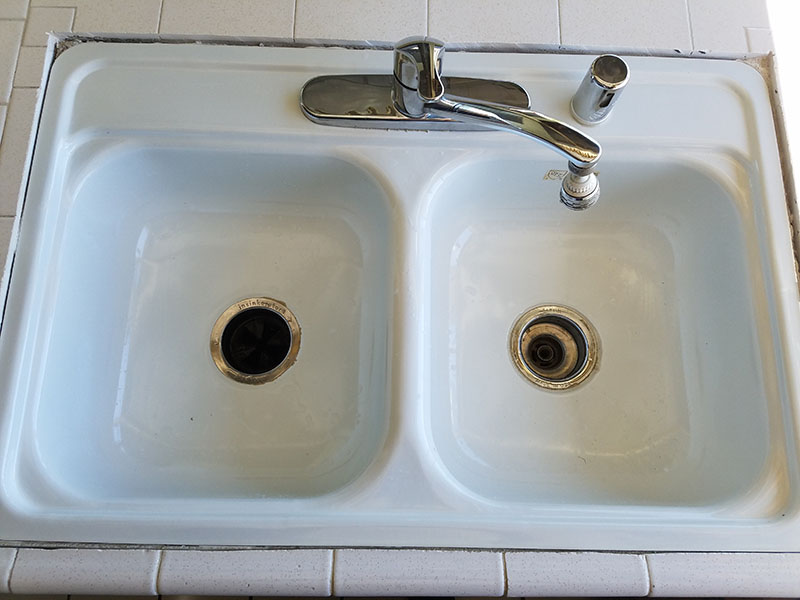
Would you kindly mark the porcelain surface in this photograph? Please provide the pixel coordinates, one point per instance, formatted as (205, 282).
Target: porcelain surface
(170, 181)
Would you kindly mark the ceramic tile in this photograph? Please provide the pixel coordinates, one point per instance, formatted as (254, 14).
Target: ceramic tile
(42, 597)
(740, 575)
(13, 9)
(7, 555)
(117, 16)
(13, 150)
(418, 573)
(10, 36)
(194, 597)
(42, 20)
(84, 571)
(391, 598)
(720, 26)
(305, 597)
(248, 572)
(258, 18)
(374, 20)
(513, 21)
(114, 597)
(29, 67)
(592, 23)
(759, 40)
(576, 574)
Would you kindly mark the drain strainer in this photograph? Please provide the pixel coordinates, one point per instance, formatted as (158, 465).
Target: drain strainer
(255, 340)
(554, 346)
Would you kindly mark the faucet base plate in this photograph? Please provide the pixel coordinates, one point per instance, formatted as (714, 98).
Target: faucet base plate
(366, 101)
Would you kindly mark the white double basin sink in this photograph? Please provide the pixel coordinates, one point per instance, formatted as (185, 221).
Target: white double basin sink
(170, 181)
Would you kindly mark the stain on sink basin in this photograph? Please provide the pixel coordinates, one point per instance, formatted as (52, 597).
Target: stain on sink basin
(679, 411)
(157, 242)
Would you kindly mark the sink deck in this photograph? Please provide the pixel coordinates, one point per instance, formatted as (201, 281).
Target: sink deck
(170, 181)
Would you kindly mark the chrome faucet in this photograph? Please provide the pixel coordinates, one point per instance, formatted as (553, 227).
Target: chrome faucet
(421, 98)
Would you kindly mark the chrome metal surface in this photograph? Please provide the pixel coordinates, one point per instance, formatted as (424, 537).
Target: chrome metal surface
(418, 74)
(243, 306)
(579, 190)
(366, 101)
(567, 141)
(600, 89)
(554, 347)
(420, 92)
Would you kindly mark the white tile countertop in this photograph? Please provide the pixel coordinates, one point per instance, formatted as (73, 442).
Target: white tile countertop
(725, 28)
(396, 573)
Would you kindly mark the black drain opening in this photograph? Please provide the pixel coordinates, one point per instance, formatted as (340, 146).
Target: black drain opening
(256, 341)
(546, 352)
(553, 347)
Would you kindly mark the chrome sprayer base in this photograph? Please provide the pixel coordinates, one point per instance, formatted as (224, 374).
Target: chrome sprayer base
(579, 192)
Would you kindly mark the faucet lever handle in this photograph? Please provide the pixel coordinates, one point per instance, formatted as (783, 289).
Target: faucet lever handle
(418, 66)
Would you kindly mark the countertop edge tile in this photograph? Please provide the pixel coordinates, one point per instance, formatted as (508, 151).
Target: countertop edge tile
(356, 19)
(246, 572)
(7, 555)
(84, 571)
(513, 21)
(745, 574)
(16, 147)
(532, 573)
(418, 572)
(246, 17)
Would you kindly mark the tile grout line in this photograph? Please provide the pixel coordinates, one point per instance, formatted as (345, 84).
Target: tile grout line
(649, 574)
(21, 39)
(558, 20)
(11, 570)
(159, 564)
(427, 17)
(294, 21)
(334, 551)
(691, 26)
(160, 16)
(505, 573)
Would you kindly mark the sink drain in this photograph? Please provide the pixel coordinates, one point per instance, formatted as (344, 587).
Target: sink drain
(255, 341)
(554, 346)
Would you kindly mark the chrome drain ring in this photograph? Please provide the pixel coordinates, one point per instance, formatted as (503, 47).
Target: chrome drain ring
(554, 347)
(255, 340)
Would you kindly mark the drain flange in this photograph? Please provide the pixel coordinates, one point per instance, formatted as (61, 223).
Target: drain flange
(255, 340)
(554, 347)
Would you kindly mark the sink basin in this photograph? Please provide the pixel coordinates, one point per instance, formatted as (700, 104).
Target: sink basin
(678, 412)
(156, 243)
(173, 182)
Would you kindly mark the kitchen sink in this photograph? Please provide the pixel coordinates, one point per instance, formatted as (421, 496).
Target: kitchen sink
(183, 219)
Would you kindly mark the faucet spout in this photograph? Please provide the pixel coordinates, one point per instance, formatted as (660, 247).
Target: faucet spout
(578, 148)
(419, 92)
